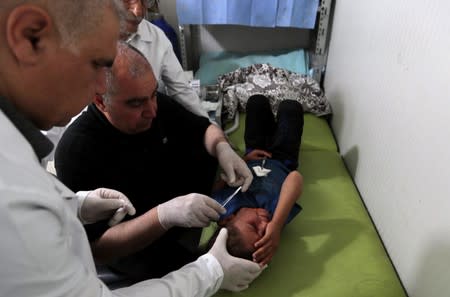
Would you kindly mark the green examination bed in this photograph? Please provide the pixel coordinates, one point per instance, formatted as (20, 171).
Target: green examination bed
(331, 248)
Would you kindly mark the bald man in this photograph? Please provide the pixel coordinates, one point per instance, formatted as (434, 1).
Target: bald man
(146, 145)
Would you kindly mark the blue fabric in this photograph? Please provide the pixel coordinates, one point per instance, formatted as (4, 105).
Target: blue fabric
(256, 13)
(297, 13)
(263, 192)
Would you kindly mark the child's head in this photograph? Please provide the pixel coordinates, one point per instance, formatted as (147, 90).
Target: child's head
(245, 228)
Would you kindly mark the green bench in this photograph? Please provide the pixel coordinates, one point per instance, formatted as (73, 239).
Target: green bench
(332, 247)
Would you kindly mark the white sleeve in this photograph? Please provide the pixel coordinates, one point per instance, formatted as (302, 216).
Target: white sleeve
(46, 254)
(177, 85)
(201, 278)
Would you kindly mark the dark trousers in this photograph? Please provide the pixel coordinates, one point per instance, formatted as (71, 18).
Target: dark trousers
(280, 136)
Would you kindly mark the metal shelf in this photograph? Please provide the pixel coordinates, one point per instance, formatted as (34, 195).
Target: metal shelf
(318, 57)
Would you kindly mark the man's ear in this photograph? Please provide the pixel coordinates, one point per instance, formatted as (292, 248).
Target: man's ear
(28, 28)
(98, 101)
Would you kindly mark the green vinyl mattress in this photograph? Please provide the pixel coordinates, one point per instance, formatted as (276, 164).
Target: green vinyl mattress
(316, 135)
(331, 248)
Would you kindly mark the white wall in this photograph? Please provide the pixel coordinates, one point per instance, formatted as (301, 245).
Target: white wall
(388, 80)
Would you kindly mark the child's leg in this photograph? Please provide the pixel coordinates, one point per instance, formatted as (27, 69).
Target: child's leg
(288, 134)
(259, 123)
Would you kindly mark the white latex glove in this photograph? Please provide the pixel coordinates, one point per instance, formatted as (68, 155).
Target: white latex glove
(233, 165)
(102, 204)
(192, 210)
(238, 273)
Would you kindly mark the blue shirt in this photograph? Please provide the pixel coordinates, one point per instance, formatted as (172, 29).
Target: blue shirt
(263, 192)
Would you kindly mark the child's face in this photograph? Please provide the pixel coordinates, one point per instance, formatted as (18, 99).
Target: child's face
(251, 223)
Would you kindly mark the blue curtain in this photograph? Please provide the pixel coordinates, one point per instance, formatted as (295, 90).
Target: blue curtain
(256, 13)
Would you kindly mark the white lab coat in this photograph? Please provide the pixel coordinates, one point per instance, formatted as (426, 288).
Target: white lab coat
(44, 251)
(158, 50)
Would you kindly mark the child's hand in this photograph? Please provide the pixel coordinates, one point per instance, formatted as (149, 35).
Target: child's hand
(267, 245)
(257, 155)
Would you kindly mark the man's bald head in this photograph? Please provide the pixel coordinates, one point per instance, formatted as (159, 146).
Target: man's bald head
(130, 102)
(129, 63)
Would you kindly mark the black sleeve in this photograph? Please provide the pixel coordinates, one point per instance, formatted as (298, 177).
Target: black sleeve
(70, 155)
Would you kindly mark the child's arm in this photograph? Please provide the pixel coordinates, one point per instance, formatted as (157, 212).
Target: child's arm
(257, 154)
(266, 247)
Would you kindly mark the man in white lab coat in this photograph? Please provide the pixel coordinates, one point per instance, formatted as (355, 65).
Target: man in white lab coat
(152, 42)
(53, 55)
(157, 48)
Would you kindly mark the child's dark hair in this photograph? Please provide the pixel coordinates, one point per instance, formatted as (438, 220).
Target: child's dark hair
(235, 246)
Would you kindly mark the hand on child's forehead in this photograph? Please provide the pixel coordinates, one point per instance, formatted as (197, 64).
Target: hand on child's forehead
(262, 212)
(252, 215)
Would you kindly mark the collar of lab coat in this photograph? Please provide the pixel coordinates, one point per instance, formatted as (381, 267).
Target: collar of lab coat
(143, 32)
(42, 146)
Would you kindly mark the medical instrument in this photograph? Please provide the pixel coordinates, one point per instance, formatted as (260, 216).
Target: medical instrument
(231, 196)
(263, 162)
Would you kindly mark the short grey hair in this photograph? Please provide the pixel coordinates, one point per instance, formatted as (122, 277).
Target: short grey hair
(74, 18)
(131, 60)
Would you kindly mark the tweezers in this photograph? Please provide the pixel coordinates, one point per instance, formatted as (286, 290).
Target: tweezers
(231, 196)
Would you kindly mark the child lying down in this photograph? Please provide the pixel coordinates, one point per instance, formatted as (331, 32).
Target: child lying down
(254, 219)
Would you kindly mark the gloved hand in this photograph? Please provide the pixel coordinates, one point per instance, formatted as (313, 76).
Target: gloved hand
(102, 204)
(192, 210)
(233, 165)
(238, 273)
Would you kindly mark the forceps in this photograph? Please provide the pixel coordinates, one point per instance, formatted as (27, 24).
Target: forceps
(231, 196)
